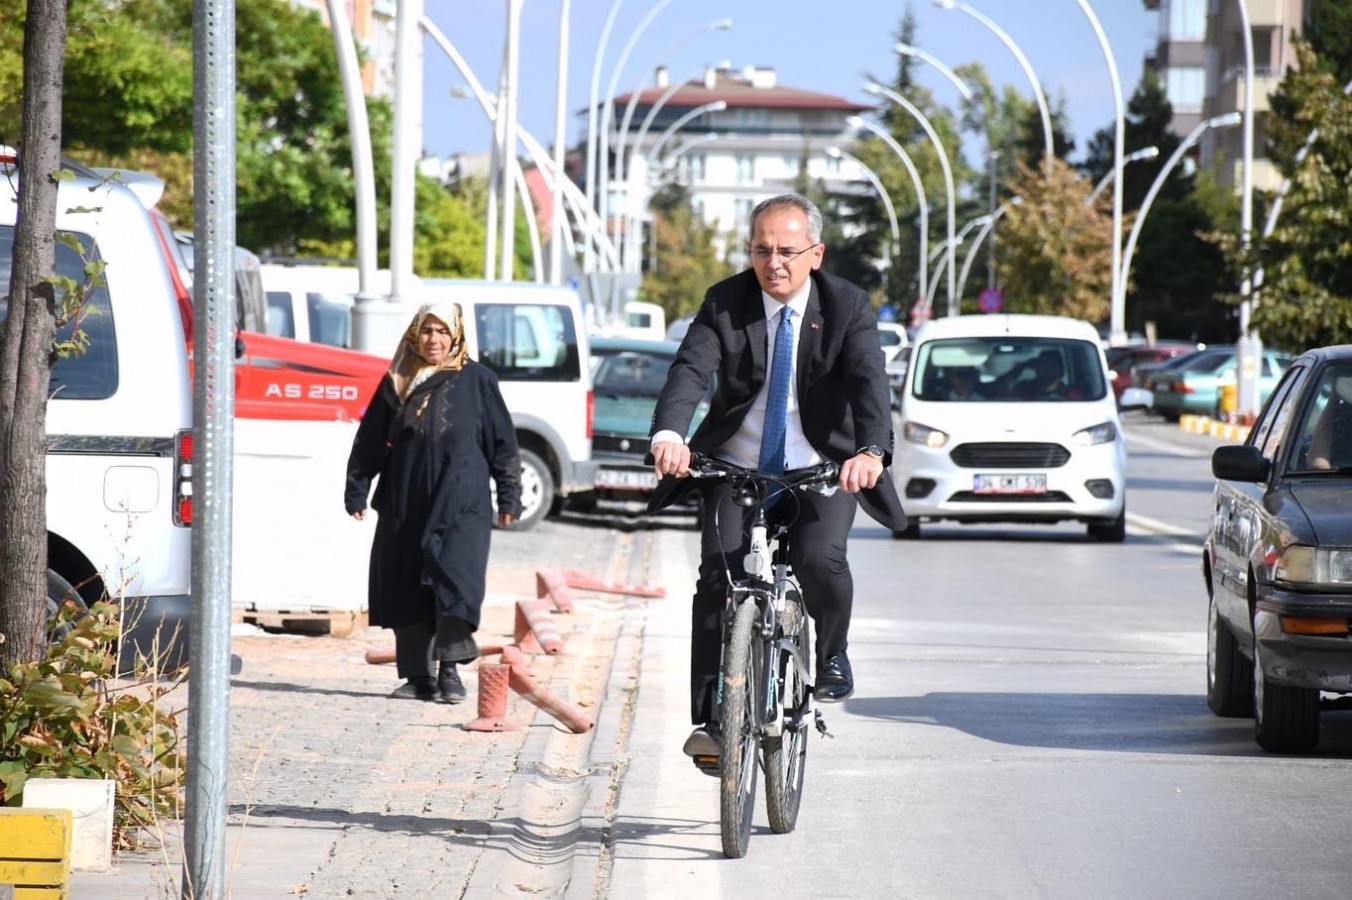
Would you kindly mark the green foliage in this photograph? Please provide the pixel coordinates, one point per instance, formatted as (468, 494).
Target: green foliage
(1328, 28)
(1305, 296)
(1056, 253)
(65, 717)
(686, 265)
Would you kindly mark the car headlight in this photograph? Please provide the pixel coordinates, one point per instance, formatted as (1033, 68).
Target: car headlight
(1103, 433)
(1315, 565)
(916, 433)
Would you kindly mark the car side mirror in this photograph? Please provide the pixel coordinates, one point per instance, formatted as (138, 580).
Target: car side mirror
(1239, 463)
(1135, 398)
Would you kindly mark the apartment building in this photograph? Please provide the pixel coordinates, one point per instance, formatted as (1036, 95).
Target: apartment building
(1180, 58)
(1274, 24)
(729, 159)
(372, 24)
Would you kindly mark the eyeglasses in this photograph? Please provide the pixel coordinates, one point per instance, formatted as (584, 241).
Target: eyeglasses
(764, 254)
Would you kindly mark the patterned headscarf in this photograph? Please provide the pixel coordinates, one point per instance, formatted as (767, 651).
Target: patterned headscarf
(408, 369)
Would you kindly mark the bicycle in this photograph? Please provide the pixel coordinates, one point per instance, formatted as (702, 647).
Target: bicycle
(764, 690)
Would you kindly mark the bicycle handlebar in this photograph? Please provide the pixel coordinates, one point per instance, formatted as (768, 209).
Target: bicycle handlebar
(702, 466)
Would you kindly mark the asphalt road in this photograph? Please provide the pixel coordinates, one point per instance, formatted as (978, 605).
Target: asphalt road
(1030, 721)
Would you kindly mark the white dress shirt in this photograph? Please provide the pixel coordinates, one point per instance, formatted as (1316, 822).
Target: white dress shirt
(743, 448)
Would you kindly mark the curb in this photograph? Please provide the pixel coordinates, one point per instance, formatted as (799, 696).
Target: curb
(1208, 426)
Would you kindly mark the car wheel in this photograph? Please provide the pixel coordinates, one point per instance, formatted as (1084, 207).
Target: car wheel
(537, 491)
(59, 591)
(1285, 718)
(1229, 673)
(911, 532)
(1114, 532)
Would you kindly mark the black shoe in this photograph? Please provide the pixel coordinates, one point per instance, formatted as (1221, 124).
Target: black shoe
(835, 681)
(415, 689)
(449, 687)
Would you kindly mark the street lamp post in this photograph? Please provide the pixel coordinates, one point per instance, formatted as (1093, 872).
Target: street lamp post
(1249, 349)
(916, 183)
(924, 56)
(882, 194)
(987, 223)
(874, 88)
(560, 136)
(1144, 153)
(1117, 328)
(593, 98)
(714, 106)
(1225, 121)
(1038, 95)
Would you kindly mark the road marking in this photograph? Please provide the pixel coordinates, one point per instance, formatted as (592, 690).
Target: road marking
(1155, 526)
(1166, 446)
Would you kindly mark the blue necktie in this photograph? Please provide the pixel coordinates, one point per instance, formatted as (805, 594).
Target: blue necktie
(777, 403)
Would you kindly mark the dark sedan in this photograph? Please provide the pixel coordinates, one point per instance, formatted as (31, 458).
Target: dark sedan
(1122, 361)
(1278, 557)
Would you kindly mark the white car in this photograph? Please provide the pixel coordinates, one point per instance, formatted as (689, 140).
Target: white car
(893, 337)
(1010, 418)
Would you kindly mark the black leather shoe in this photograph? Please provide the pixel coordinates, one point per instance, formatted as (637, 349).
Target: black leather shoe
(415, 689)
(835, 681)
(449, 687)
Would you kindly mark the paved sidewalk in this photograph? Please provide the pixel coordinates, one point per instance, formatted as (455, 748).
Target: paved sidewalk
(337, 791)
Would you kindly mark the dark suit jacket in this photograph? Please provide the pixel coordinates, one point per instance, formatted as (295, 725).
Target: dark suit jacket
(841, 386)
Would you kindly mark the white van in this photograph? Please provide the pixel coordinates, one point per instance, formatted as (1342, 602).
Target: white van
(1010, 418)
(645, 321)
(119, 419)
(314, 303)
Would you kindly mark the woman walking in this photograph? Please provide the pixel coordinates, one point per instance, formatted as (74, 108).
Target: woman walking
(436, 430)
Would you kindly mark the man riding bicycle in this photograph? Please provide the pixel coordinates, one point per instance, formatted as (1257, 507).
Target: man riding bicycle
(799, 379)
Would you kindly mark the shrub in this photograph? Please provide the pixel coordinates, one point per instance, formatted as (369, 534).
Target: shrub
(69, 716)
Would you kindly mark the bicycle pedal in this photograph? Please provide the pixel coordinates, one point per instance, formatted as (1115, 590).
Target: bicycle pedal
(709, 765)
(821, 724)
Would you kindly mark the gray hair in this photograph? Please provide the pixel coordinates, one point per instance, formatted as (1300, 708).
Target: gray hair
(796, 201)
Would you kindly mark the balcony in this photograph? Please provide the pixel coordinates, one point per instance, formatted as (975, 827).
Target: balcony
(1265, 13)
(1230, 97)
(1266, 177)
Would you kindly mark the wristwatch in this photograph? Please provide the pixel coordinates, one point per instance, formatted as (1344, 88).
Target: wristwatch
(873, 450)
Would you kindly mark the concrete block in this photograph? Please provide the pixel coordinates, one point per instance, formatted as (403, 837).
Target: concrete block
(90, 801)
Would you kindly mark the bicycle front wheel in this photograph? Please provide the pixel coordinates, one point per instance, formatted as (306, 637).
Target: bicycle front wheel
(786, 753)
(741, 669)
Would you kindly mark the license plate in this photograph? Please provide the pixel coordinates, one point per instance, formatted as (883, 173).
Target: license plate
(1009, 484)
(626, 479)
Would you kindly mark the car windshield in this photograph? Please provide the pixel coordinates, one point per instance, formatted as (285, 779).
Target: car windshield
(631, 374)
(1326, 431)
(1004, 369)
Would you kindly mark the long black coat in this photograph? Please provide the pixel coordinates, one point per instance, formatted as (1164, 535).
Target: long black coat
(434, 454)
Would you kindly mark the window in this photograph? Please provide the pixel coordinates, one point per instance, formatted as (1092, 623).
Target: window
(280, 320)
(1186, 19)
(695, 166)
(1005, 370)
(91, 375)
(1186, 87)
(833, 165)
(528, 341)
(742, 214)
(1326, 435)
(746, 169)
(330, 320)
(791, 166)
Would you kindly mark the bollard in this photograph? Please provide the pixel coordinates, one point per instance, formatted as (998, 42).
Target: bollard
(512, 656)
(583, 581)
(554, 585)
(494, 681)
(566, 713)
(380, 655)
(535, 631)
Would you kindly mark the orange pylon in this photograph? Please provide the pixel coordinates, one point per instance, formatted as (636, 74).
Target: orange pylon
(494, 682)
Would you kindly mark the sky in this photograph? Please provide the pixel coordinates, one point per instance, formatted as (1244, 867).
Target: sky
(830, 47)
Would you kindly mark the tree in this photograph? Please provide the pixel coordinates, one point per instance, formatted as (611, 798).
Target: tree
(1305, 296)
(1328, 28)
(1056, 252)
(685, 265)
(28, 336)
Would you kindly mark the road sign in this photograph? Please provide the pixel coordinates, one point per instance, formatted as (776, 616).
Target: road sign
(887, 314)
(990, 300)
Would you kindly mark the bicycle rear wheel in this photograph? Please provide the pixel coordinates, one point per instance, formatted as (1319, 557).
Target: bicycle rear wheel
(786, 754)
(738, 766)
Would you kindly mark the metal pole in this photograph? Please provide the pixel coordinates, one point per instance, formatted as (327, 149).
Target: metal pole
(877, 186)
(1144, 153)
(875, 88)
(715, 106)
(407, 142)
(1225, 121)
(556, 219)
(208, 762)
(507, 120)
(593, 97)
(1038, 94)
(1117, 329)
(363, 172)
(916, 183)
(924, 56)
(1249, 349)
(994, 155)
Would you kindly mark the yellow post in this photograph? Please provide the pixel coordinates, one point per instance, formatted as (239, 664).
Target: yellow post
(35, 852)
(1228, 398)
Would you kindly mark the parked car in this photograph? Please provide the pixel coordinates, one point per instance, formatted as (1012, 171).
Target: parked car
(1122, 360)
(1005, 451)
(1277, 561)
(627, 377)
(1194, 385)
(893, 338)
